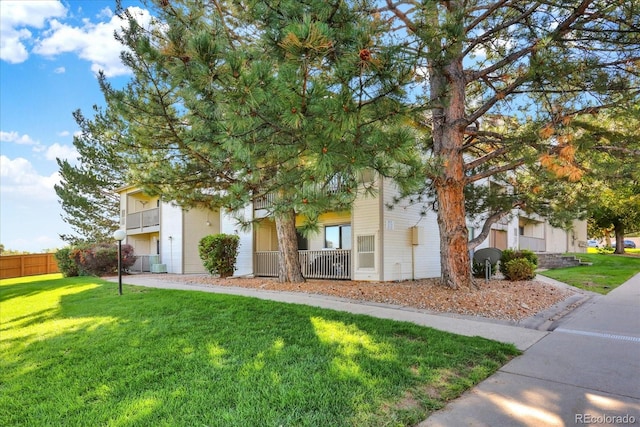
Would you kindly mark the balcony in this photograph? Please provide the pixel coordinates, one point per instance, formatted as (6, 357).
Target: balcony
(144, 221)
(328, 264)
(534, 244)
(335, 185)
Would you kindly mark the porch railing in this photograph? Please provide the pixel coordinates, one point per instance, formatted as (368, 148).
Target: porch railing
(329, 264)
(143, 263)
(534, 244)
(264, 202)
(148, 218)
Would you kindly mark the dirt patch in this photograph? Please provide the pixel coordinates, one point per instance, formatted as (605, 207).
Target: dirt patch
(497, 299)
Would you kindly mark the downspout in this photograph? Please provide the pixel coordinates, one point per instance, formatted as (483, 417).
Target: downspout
(381, 226)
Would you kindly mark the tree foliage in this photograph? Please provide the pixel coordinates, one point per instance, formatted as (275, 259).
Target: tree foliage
(87, 187)
(502, 82)
(232, 103)
(234, 100)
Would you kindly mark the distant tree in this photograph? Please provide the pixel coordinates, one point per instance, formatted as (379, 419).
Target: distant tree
(614, 177)
(87, 187)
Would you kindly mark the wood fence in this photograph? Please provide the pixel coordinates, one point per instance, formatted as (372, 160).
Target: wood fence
(27, 265)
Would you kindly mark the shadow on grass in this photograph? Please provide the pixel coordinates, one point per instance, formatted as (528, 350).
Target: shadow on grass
(161, 357)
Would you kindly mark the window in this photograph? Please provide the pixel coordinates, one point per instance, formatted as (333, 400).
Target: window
(337, 237)
(366, 252)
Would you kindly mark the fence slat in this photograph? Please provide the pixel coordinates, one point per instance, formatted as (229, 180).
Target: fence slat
(27, 265)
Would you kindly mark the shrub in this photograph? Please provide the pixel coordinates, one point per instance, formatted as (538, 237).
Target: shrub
(479, 268)
(101, 258)
(604, 250)
(511, 254)
(519, 269)
(219, 253)
(66, 263)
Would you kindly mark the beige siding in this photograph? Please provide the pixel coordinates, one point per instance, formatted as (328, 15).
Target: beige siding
(266, 236)
(574, 240)
(316, 240)
(197, 224)
(144, 244)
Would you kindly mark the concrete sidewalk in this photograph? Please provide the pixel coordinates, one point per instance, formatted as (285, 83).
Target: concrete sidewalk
(585, 372)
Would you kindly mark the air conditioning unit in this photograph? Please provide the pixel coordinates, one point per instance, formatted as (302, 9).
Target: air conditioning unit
(158, 268)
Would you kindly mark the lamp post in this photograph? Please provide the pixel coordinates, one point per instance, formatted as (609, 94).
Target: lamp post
(119, 235)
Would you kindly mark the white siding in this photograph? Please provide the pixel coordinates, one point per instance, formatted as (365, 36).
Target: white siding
(402, 259)
(171, 235)
(365, 222)
(229, 225)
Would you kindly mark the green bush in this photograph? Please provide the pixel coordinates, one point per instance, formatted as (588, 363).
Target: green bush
(66, 264)
(479, 268)
(101, 258)
(519, 269)
(511, 254)
(219, 253)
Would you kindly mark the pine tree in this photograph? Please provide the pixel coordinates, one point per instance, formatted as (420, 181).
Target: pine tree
(542, 63)
(232, 102)
(87, 187)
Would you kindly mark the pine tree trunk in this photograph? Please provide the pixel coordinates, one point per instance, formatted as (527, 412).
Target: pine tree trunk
(455, 262)
(448, 94)
(288, 260)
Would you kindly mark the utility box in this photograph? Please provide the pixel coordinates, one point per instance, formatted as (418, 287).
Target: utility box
(417, 234)
(158, 268)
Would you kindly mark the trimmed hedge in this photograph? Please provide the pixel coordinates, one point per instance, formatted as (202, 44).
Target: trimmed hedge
(518, 264)
(520, 269)
(219, 253)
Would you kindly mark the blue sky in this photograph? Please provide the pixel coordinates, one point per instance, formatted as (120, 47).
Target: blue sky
(50, 53)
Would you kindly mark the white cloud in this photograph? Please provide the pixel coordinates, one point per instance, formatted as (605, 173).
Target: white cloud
(60, 70)
(105, 13)
(63, 152)
(92, 42)
(15, 137)
(64, 133)
(15, 17)
(18, 177)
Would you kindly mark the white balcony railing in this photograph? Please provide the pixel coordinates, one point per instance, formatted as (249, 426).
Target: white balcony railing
(328, 264)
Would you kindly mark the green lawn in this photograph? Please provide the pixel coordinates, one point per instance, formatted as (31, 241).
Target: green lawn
(607, 272)
(74, 353)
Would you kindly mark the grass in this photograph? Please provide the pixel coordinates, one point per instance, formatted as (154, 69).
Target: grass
(74, 353)
(607, 272)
